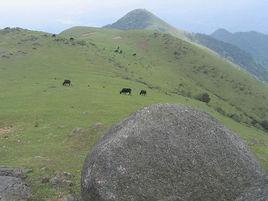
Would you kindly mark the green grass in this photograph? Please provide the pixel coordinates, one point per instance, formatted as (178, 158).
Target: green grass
(43, 113)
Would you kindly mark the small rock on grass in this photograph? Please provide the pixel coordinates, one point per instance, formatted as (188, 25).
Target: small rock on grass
(70, 198)
(12, 184)
(77, 131)
(62, 179)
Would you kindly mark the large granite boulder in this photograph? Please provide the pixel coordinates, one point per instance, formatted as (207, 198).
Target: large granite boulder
(168, 152)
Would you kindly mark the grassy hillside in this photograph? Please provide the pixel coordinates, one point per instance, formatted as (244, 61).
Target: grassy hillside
(233, 54)
(39, 118)
(174, 66)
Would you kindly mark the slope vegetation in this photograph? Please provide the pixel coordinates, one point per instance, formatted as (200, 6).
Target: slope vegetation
(174, 66)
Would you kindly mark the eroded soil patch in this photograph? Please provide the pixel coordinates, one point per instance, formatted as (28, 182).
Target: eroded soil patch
(5, 130)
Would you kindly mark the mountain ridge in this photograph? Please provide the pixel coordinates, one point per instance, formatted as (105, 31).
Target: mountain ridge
(141, 19)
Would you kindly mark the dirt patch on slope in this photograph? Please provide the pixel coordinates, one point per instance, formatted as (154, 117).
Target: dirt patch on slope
(144, 45)
(89, 34)
(5, 130)
(117, 38)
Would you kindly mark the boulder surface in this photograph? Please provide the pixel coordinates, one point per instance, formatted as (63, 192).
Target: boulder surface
(168, 152)
(257, 192)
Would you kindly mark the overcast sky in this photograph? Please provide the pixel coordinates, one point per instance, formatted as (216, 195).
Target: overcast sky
(192, 15)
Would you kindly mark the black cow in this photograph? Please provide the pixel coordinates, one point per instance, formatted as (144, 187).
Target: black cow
(143, 93)
(126, 91)
(66, 83)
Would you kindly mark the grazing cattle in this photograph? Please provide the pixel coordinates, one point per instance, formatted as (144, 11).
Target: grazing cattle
(66, 83)
(134, 54)
(143, 93)
(126, 91)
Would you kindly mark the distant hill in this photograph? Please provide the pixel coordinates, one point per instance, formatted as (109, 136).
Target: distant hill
(233, 54)
(143, 19)
(252, 42)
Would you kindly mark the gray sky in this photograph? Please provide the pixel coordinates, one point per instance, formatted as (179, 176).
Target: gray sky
(192, 15)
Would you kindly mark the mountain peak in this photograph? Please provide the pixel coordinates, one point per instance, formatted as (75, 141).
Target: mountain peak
(137, 19)
(221, 31)
(144, 19)
(140, 11)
